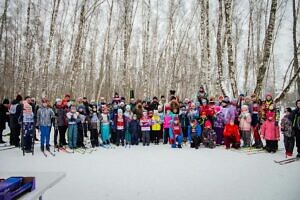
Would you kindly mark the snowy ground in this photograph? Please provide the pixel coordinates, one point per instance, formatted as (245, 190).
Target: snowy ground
(159, 172)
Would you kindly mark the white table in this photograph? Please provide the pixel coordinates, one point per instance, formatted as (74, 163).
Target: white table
(43, 182)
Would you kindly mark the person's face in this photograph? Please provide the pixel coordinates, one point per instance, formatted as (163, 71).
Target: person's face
(134, 117)
(298, 104)
(45, 104)
(84, 100)
(28, 100)
(269, 98)
(163, 100)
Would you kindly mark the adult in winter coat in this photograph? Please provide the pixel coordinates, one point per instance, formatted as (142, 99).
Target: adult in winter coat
(15, 112)
(44, 116)
(270, 132)
(4, 117)
(62, 122)
(245, 125)
(296, 125)
(287, 131)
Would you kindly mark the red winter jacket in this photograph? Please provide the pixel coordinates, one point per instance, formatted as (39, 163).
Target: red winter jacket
(232, 130)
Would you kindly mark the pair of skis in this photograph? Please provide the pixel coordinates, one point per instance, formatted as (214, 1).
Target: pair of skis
(287, 161)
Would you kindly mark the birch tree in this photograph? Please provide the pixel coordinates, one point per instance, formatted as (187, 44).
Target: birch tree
(266, 50)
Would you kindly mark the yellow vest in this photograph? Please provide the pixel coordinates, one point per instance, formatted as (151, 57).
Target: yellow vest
(156, 120)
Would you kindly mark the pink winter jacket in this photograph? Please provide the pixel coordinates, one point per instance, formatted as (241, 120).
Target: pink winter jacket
(167, 121)
(245, 121)
(269, 131)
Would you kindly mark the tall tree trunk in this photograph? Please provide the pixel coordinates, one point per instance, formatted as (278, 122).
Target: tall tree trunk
(48, 50)
(296, 62)
(231, 65)
(219, 48)
(25, 60)
(77, 52)
(267, 47)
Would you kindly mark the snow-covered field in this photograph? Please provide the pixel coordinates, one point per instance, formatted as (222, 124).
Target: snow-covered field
(160, 172)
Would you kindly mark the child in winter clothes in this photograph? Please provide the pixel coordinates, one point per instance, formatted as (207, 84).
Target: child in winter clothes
(105, 126)
(270, 132)
(120, 127)
(156, 126)
(194, 134)
(80, 127)
(72, 117)
(193, 113)
(219, 124)
(175, 133)
(209, 136)
(286, 130)
(128, 117)
(203, 118)
(27, 117)
(134, 129)
(167, 123)
(255, 123)
(145, 124)
(231, 135)
(44, 117)
(184, 122)
(95, 119)
(245, 125)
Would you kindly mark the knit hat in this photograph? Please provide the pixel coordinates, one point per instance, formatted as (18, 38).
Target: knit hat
(207, 124)
(203, 113)
(226, 100)
(58, 100)
(120, 111)
(269, 94)
(245, 108)
(168, 107)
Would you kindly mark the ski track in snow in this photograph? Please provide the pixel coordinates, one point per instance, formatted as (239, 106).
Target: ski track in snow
(160, 172)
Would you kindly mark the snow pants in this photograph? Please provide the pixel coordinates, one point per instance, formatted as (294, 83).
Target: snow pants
(219, 132)
(45, 135)
(72, 135)
(289, 143)
(146, 137)
(271, 146)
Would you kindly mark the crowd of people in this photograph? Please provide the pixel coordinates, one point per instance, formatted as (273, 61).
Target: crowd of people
(246, 122)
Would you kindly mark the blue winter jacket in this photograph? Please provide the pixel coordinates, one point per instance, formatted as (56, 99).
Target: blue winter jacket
(198, 132)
